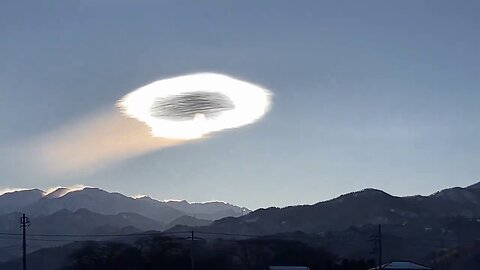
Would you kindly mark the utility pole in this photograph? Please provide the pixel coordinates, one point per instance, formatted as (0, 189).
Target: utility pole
(379, 246)
(192, 259)
(25, 222)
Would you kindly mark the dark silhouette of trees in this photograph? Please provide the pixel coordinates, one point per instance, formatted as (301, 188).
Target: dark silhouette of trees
(106, 256)
(222, 254)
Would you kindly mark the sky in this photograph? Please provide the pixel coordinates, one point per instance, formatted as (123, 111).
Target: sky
(379, 94)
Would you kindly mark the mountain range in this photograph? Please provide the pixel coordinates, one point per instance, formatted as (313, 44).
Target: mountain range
(36, 202)
(96, 211)
(345, 225)
(368, 206)
(413, 227)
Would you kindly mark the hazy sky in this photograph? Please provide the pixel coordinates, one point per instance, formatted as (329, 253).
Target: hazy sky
(381, 94)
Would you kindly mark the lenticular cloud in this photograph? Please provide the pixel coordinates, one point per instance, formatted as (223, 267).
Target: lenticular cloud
(189, 107)
(174, 110)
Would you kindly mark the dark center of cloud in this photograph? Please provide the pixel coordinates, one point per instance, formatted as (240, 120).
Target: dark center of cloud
(185, 106)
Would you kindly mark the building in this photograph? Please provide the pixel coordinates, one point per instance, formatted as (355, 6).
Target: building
(404, 265)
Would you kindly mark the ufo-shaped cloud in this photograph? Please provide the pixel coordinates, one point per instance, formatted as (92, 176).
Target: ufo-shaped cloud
(191, 106)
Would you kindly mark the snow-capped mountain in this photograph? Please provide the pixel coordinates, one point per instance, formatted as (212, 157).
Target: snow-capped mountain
(36, 202)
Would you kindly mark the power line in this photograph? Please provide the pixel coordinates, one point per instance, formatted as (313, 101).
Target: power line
(231, 234)
(389, 237)
(424, 238)
(9, 247)
(66, 238)
(96, 235)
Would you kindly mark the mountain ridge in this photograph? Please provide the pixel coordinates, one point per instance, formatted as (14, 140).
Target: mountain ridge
(367, 206)
(36, 202)
(451, 213)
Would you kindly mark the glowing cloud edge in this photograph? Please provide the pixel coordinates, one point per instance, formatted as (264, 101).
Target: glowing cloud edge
(251, 103)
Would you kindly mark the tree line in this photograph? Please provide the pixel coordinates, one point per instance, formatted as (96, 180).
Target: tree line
(167, 253)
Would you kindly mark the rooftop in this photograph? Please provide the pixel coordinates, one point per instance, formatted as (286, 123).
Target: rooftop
(402, 265)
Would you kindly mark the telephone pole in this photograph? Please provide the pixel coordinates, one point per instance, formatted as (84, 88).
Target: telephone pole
(379, 246)
(192, 259)
(25, 222)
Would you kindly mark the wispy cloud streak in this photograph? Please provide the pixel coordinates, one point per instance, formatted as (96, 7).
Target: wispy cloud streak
(94, 142)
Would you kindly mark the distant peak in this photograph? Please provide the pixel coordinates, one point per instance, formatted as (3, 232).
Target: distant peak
(140, 196)
(212, 202)
(175, 201)
(193, 203)
(57, 192)
(144, 198)
(371, 191)
(366, 192)
(23, 190)
(92, 189)
(474, 186)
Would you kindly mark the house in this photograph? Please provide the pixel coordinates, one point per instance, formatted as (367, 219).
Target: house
(289, 268)
(405, 265)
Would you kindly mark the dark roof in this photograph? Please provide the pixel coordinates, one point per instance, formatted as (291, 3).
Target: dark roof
(289, 268)
(403, 265)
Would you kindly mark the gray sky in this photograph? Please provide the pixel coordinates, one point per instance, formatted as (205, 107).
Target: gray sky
(379, 94)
